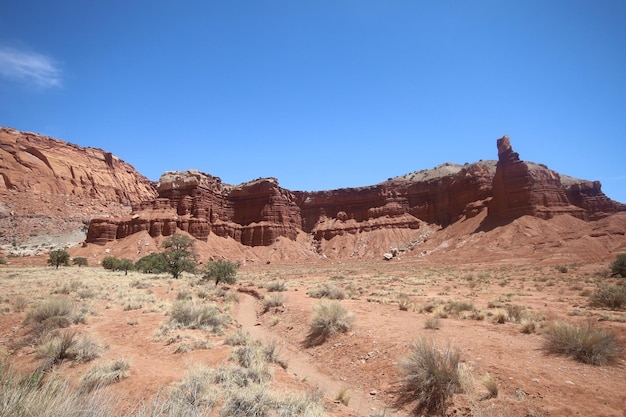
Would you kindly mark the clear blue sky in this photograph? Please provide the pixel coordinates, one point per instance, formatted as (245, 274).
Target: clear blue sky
(322, 94)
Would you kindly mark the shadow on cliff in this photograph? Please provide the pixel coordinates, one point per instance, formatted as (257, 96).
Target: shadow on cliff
(490, 223)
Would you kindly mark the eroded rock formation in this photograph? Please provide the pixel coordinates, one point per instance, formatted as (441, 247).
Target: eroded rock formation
(522, 188)
(257, 213)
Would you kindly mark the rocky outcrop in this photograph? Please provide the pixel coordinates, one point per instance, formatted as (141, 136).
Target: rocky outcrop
(36, 163)
(521, 188)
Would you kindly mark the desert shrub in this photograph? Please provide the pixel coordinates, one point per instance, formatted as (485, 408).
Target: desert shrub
(456, 308)
(221, 271)
(585, 343)
(528, 326)
(404, 302)
(432, 323)
(57, 349)
(239, 338)
(272, 301)
(58, 257)
(20, 303)
(514, 312)
(50, 309)
(618, 266)
(612, 297)
(101, 375)
(111, 263)
(184, 295)
(561, 268)
(430, 377)
(328, 290)
(275, 286)
(328, 318)
(3, 261)
(251, 401)
(151, 264)
(80, 261)
(189, 315)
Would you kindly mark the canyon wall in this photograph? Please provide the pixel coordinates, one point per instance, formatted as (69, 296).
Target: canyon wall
(259, 212)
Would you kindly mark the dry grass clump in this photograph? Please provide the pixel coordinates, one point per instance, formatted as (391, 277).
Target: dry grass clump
(404, 302)
(186, 314)
(491, 383)
(612, 297)
(60, 346)
(272, 301)
(329, 317)
(49, 309)
(20, 303)
(101, 375)
(432, 323)
(585, 343)
(430, 377)
(35, 394)
(276, 286)
(328, 290)
(238, 338)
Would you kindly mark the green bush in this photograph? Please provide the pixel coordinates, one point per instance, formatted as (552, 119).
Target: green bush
(151, 264)
(585, 343)
(618, 267)
(80, 261)
(111, 263)
(430, 377)
(221, 271)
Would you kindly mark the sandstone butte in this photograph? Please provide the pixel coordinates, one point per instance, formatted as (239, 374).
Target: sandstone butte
(260, 212)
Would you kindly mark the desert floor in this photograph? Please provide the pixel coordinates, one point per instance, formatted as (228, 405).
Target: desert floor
(496, 317)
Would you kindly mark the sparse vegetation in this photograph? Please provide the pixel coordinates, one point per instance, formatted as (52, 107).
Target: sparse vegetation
(430, 377)
(276, 286)
(585, 343)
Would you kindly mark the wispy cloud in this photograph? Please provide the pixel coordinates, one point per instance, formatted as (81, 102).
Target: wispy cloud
(30, 67)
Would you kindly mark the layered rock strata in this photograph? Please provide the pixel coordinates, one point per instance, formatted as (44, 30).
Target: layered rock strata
(259, 212)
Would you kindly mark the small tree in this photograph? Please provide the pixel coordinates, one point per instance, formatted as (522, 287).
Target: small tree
(221, 271)
(178, 254)
(124, 265)
(618, 267)
(80, 261)
(58, 257)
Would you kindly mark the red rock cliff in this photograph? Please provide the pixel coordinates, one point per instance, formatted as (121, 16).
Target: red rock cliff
(31, 162)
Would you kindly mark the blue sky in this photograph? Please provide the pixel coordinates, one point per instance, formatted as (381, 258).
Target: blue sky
(322, 94)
